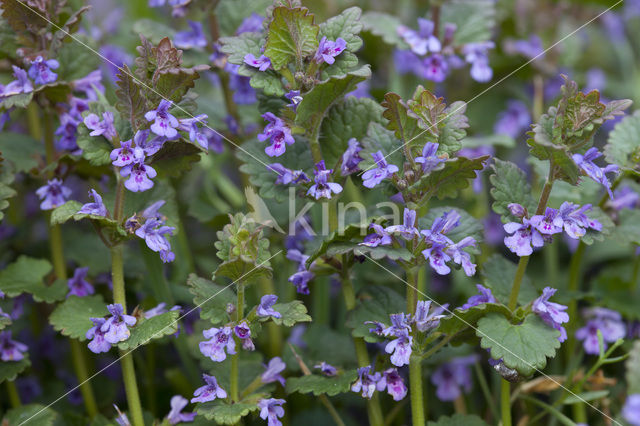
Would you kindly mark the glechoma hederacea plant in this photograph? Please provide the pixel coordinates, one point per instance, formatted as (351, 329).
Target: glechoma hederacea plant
(257, 206)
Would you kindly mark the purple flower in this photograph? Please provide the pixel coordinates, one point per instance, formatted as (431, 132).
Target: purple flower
(485, 296)
(548, 223)
(380, 237)
(423, 40)
(530, 48)
(98, 127)
(279, 134)
(351, 158)
(407, 61)
(40, 70)
(598, 174)
(262, 63)
(631, 409)
(20, 85)
(426, 320)
(322, 188)
(53, 194)
(164, 123)
(551, 313)
(122, 156)
(408, 229)
(98, 343)
(265, 308)
(122, 418)
(326, 369)
(393, 382)
(270, 410)
(373, 177)
(10, 350)
(153, 232)
(67, 133)
(97, 208)
(441, 226)
(243, 332)
(366, 383)
(435, 68)
(514, 120)
(607, 321)
(272, 371)
(140, 176)
(221, 339)
(437, 258)
(328, 50)
(210, 391)
(78, 286)
(624, 198)
(295, 99)
(399, 325)
(301, 281)
(476, 55)
(574, 221)
(85, 84)
(192, 38)
(196, 134)
(115, 327)
(378, 327)
(524, 237)
(453, 377)
(287, 176)
(243, 93)
(429, 159)
(461, 257)
(400, 349)
(175, 416)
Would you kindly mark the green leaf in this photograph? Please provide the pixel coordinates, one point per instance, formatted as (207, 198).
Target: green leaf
(26, 276)
(267, 81)
(376, 253)
(497, 140)
(239, 46)
(633, 369)
(175, 84)
(583, 397)
(226, 413)
(405, 127)
(69, 210)
(460, 319)
(623, 144)
(385, 26)
(95, 149)
(316, 103)
(9, 370)
(380, 139)
(16, 101)
(322, 385)
(22, 151)
(4, 322)
(6, 192)
(349, 232)
(474, 19)
(498, 273)
(231, 13)
(72, 317)
(292, 36)
(152, 328)
(524, 347)
(459, 420)
(376, 304)
(510, 185)
(63, 213)
(345, 120)
(77, 63)
(153, 30)
(628, 229)
(468, 226)
(292, 313)
(449, 180)
(346, 25)
(131, 102)
(211, 298)
(17, 416)
(175, 158)
(345, 63)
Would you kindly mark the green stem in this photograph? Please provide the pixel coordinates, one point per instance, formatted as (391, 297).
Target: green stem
(82, 373)
(415, 362)
(524, 260)
(635, 273)
(12, 392)
(33, 120)
(484, 386)
(128, 369)
(314, 143)
(374, 410)
(235, 391)
(332, 410)
(505, 401)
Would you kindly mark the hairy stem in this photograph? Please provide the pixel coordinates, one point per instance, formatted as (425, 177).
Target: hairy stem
(415, 362)
(128, 369)
(505, 402)
(235, 392)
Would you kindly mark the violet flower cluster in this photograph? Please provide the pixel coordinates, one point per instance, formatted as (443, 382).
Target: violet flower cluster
(606, 321)
(111, 330)
(367, 383)
(40, 71)
(151, 226)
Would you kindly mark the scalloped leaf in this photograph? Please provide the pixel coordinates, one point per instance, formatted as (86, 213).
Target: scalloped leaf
(237, 47)
(9, 370)
(26, 275)
(510, 185)
(351, 231)
(69, 210)
(498, 273)
(292, 313)
(345, 120)
(322, 385)
(628, 229)
(460, 319)
(72, 318)
(623, 143)
(524, 347)
(36, 413)
(292, 36)
(376, 253)
(152, 328)
(211, 298)
(379, 138)
(22, 151)
(226, 413)
(376, 303)
(449, 180)
(175, 158)
(474, 19)
(385, 26)
(346, 25)
(267, 81)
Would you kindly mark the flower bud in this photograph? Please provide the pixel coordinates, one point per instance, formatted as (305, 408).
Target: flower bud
(517, 210)
(231, 308)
